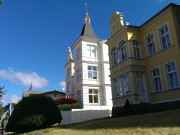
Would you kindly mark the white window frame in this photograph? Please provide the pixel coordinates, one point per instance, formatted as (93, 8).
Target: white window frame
(164, 35)
(141, 85)
(172, 72)
(153, 79)
(151, 43)
(126, 84)
(91, 51)
(118, 87)
(93, 72)
(136, 49)
(115, 56)
(122, 46)
(93, 94)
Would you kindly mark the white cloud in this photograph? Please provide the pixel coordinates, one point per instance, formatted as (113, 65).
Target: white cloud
(8, 99)
(24, 78)
(63, 85)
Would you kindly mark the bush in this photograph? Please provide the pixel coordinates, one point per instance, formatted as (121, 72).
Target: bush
(127, 108)
(68, 107)
(33, 112)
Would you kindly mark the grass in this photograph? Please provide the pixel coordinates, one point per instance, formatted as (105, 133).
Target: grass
(161, 123)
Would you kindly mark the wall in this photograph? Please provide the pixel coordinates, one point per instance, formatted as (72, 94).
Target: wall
(80, 115)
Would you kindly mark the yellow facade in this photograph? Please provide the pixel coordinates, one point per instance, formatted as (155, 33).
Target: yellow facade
(145, 60)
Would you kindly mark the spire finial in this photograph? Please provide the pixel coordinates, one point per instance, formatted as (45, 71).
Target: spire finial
(86, 8)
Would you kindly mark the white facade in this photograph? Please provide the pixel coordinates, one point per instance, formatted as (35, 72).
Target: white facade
(87, 73)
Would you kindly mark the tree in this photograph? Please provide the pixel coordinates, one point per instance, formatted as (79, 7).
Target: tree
(33, 112)
(1, 104)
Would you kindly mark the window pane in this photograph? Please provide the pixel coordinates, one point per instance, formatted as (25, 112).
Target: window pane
(162, 31)
(168, 39)
(177, 83)
(173, 67)
(89, 74)
(90, 99)
(94, 75)
(90, 91)
(164, 42)
(94, 68)
(96, 99)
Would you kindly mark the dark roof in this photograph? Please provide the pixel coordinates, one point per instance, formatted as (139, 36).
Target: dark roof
(87, 30)
(54, 91)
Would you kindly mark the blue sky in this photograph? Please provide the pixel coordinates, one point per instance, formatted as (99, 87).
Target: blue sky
(35, 34)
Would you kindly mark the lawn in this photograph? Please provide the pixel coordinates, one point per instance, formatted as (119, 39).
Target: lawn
(161, 123)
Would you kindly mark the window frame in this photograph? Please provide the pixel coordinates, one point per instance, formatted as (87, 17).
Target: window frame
(160, 36)
(149, 44)
(115, 56)
(167, 77)
(139, 81)
(122, 48)
(93, 95)
(135, 48)
(92, 72)
(152, 80)
(89, 48)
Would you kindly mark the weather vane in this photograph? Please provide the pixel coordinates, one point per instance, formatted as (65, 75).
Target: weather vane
(86, 7)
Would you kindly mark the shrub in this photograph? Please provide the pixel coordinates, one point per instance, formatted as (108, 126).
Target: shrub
(68, 107)
(127, 108)
(36, 111)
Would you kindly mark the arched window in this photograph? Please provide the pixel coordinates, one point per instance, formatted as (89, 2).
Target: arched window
(115, 56)
(123, 50)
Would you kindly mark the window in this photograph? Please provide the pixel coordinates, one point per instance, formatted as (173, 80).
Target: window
(126, 84)
(115, 56)
(78, 75)
(123, 51)
(172, 76)
(117, 87)
(78, 54)
(136, 49)
(156, 80)
(93, 96)
(69, 71)
(150, 45)
(140, 83)
(92, 72)
(68, 86)
(91, 51)
(164, 36)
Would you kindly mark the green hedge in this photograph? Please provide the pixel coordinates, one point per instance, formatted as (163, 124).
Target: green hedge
(68, 107)
(33, 112)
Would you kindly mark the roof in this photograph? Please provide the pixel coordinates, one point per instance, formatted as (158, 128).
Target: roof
(54, 91)
(87, 30)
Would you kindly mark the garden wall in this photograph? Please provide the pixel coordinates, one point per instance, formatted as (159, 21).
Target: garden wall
(80, 115)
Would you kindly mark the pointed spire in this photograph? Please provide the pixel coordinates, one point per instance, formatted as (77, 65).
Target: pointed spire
(31, 88)
(87, 30)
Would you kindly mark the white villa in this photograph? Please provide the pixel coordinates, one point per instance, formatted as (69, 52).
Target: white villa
(87, 73)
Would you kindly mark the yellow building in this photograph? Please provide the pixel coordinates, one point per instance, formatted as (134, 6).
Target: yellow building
(145, 60)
